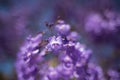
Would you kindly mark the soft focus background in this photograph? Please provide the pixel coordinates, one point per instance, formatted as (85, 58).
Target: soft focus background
(19, 18)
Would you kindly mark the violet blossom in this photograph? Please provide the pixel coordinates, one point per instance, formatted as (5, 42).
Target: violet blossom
(62, 57)
(97, 23)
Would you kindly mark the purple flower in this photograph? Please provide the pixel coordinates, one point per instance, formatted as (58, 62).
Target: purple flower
(98, 23)
(61, 57)
(62, 28)
(55, 43)
(73, 36)
(113, 74)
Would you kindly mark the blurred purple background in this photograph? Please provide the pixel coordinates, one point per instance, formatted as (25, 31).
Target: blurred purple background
(19, 18)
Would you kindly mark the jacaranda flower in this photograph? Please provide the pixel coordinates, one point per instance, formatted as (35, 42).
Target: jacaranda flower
(60, 57)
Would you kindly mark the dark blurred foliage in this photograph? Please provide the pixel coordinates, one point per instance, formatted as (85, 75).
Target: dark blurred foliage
(19, 18)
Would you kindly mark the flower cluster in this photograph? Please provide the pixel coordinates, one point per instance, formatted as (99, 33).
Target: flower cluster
(113, 74)
(60, 57)
(99, 23)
